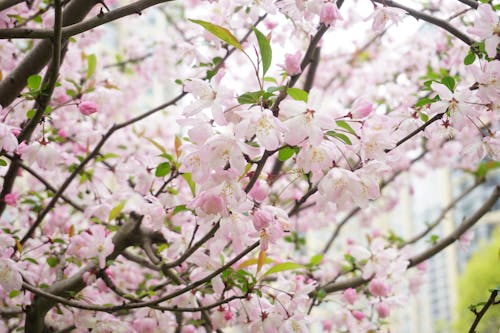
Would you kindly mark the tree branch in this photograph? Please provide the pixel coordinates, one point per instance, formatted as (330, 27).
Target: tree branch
(12, 85)
(431, 19)
(78, 28)
(6, 4)
(479, 316)
(442, 244)
(443, 213)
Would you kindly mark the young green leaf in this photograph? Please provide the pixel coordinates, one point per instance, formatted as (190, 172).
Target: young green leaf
(219, 32)
(34, 82)
(285, 153)
(115, 211)
(449, 82)
(91, 65)
(340, 136)
(163, 169)
(284, 266)
(192, 186)
(345, 126)
(266, 53)
(298, 94)
(469, 58)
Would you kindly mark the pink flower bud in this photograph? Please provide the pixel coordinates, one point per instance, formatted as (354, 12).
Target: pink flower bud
(358, 315)
(327, 325)
(87, 108)
(378, 287)
(361, 108)
(292, 63)
(11, 199)
(228, 315)
(383, 310)
(329, 14)
(350, 295)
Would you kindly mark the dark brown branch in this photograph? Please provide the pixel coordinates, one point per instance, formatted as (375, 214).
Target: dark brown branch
(111, 309)
(438, 247)
(431, 19)
(78, 28)
(457, 233)
(418, 130)
(12, 85)
(480, 314)
(5, 4)
(470, 3)
(192, 249)
(443, 214)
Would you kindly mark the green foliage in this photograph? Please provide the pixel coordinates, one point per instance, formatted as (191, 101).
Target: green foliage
(298, 94)
(481, 274)
(220, 32)
(266, 53)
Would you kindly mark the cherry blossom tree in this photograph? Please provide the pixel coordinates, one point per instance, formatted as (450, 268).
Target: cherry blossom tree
(281, 119)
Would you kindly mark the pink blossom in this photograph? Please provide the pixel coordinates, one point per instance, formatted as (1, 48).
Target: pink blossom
(93, 243)
(10, 277)
(292, 63)
(382, 310)
(361, 108)
(383, 14)
(358, 315)
(329, 14)
(350, 295)
(87, 108)
(11, 199)
(486, 26)
(207, 203)
(378, 287)
(8, 140)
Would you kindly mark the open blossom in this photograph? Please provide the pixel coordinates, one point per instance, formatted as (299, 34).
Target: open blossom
(329, 14)
(487, 27)
(264, 125)
(93, 243)
(454, 102)
(44, 154)
(10, 278)
(87, 108)
(384, 14)
(344, 188)
(292, 63)
(8, 140)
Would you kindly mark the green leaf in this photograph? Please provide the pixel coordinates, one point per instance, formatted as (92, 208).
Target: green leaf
(219, 32)
(266, 53)
(116, 210)
(30, 114)
(189, 180)
(342, 137)
(91, 65)
(285, 153)
(316, 260)
(345, 126)
(13, 293)
(469, 58)
(2, 162)
(298, 94)
(424, 101)
(486, 166)
(449, 82)
(180, 208)
(52, 261)
(251, 97)
(284, 266)
(163, 169)
(34, 82)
